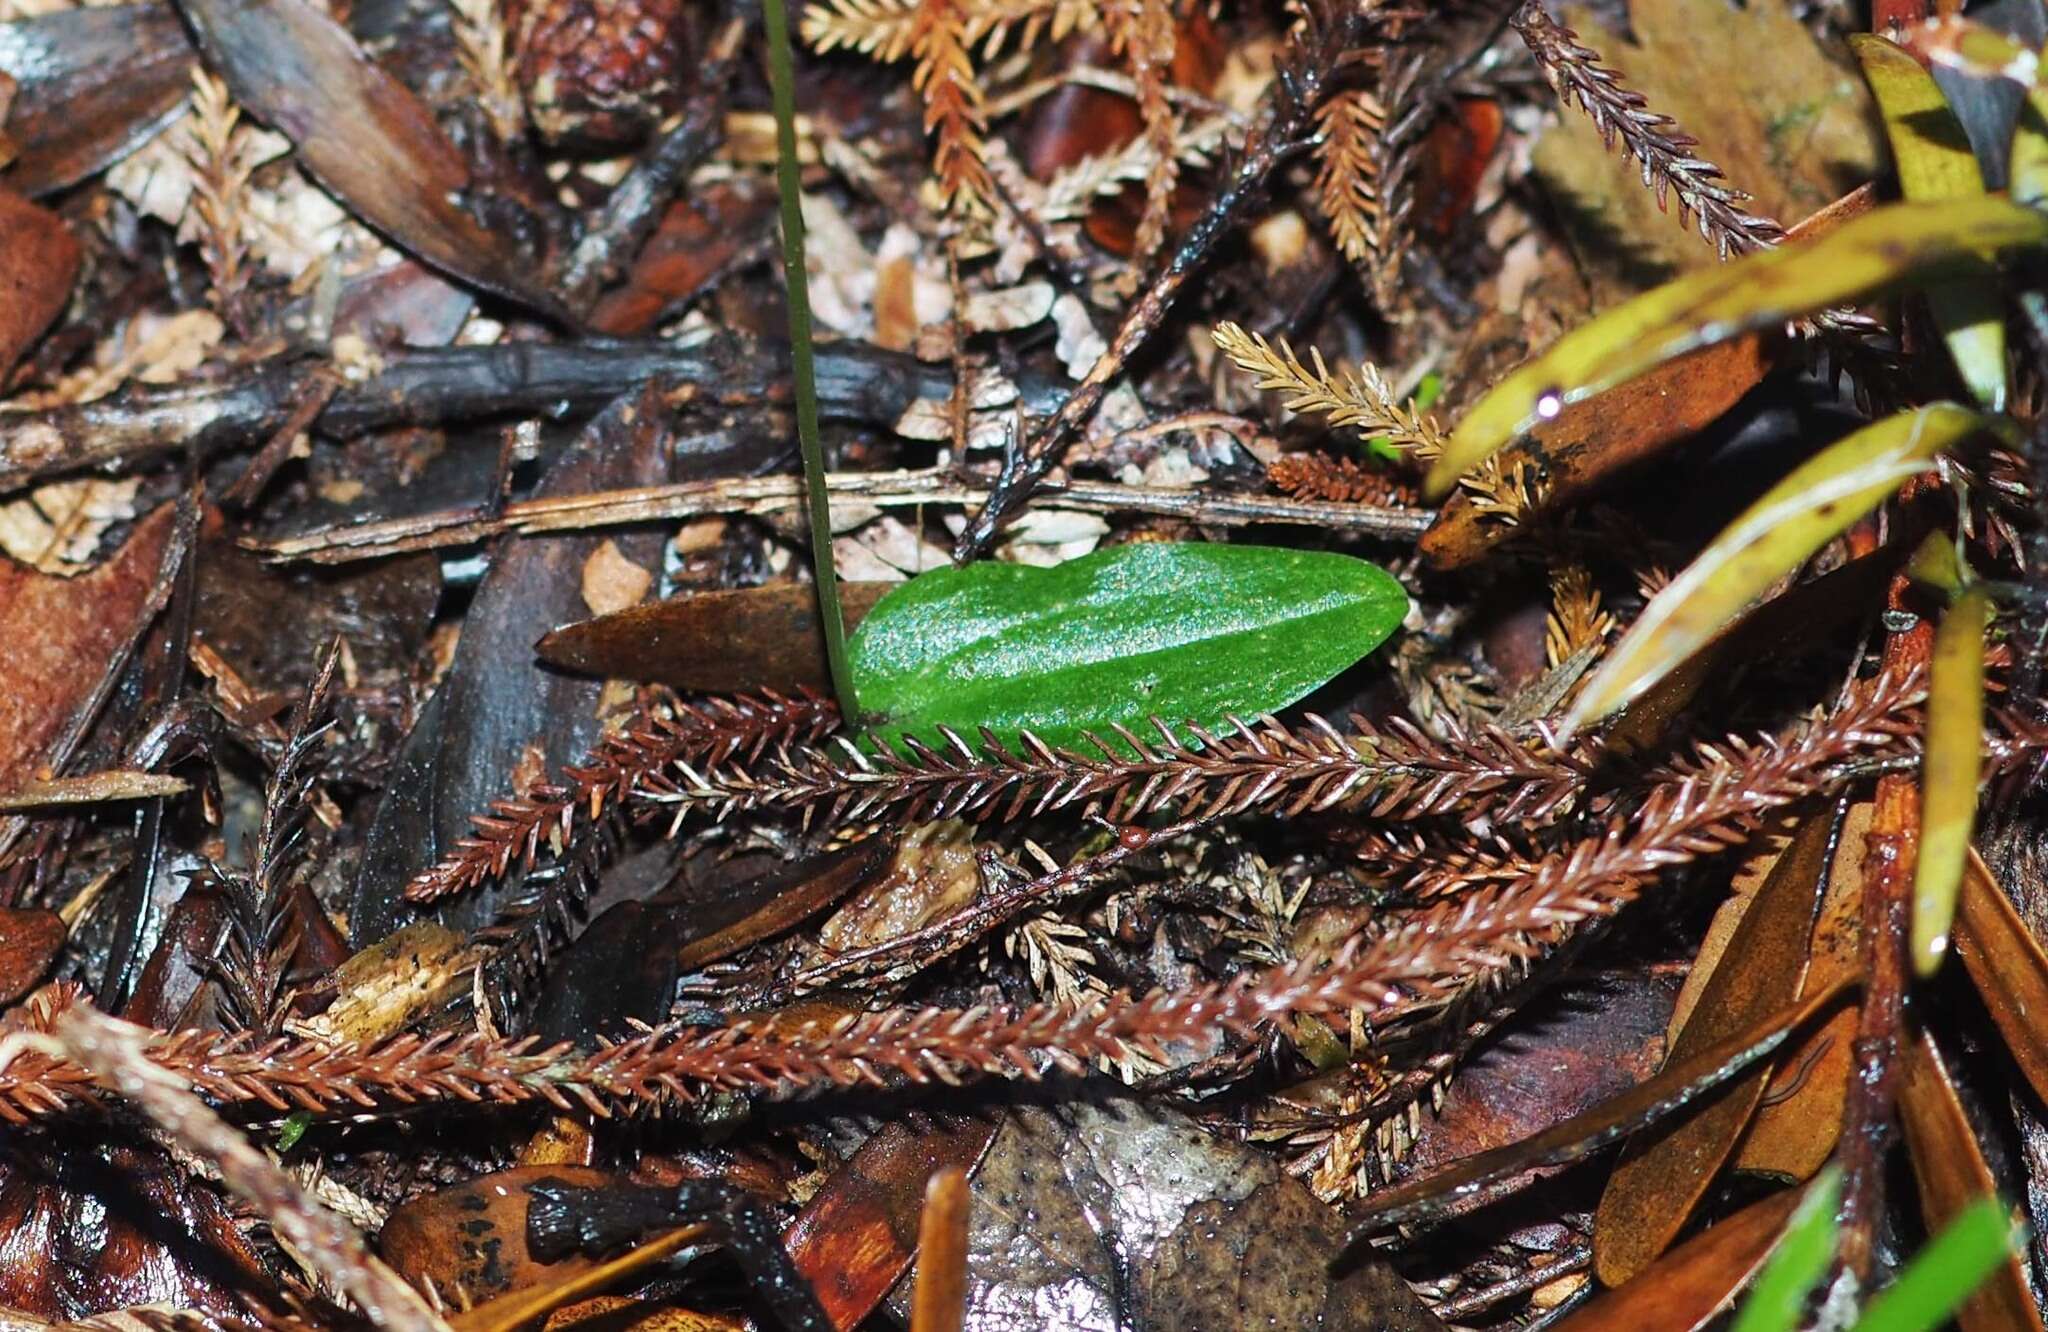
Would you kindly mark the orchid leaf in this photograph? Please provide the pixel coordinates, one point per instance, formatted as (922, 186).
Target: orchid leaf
(1188, 632)
(1948, 778)
(1934, 161)
(1916, 243)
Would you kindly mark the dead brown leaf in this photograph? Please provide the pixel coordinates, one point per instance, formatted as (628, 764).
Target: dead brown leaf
(1664, 1173)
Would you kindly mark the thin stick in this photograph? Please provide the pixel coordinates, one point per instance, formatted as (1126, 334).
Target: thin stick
(782, 91)
(759, 496)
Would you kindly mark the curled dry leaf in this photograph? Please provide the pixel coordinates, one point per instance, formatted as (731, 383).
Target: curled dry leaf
(2008, 967)
(67, 639)
(1680, 1084)
(1664, 1173)
(38, 260)
(856, 1237)
(363, 135)
(1687, 1287)
(1593, 440)
(29, 943)
(1796, 1127)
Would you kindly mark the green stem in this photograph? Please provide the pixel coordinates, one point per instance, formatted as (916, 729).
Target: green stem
(782, 90)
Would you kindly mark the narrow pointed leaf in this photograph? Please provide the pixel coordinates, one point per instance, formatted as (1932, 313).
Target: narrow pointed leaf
(1795, 518)
(1665, 1171)
(1934, 161)
(1948, 774)
(1692, 1286)
(1188, 632)
(1904, 243)
(1950, 1172)
(1942, 1275)
(2026, 173)
(1799, 1262)
(362, 134)
(2007, 965)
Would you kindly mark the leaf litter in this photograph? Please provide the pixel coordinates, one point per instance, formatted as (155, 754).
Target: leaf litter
(440, 887)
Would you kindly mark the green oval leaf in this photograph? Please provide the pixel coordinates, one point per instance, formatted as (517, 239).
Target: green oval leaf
(1948, 774)
(1935, 162)
(1917, 242)
(1189, 632)
(1811, 506)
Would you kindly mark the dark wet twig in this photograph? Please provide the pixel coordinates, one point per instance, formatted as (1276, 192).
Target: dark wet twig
(432, 387)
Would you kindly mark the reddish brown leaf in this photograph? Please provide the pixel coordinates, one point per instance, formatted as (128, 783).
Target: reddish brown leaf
(66, 640)
(2010, 971)
(855, 1238)
(29, 942)
(1952, 1173)
(471, 1237)
(1595, 438)
(1663, 1174)
(1795, 1128)
(1687, 1287)
(1680, 1084)
(744, 641)
(697, 238)
(38, 261)
(363, 135)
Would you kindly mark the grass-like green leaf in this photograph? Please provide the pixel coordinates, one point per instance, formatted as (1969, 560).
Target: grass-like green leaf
(1801, 1260)
(1814, 504)
(1949, 771)
(1934, 161)
(1904, 243)
(1191, 633)
(1943, 1275)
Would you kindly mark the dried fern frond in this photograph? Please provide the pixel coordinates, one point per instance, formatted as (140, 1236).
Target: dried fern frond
(1320, 476)
(216, 145)
(1622, 115)
(709, 732)
(954, 107)
(484, 49)
(887, 29)
(1393, 772)
(1074, 189)
(1347, 173)
(1143, 32)
(264, 928)
(1577, 621)
(1360, 399)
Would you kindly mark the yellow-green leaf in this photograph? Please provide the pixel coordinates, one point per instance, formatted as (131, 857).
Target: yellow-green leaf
(2027, 167)
(1948, 775)
(1771, 538)
(1934, 161)
(1905, 242)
